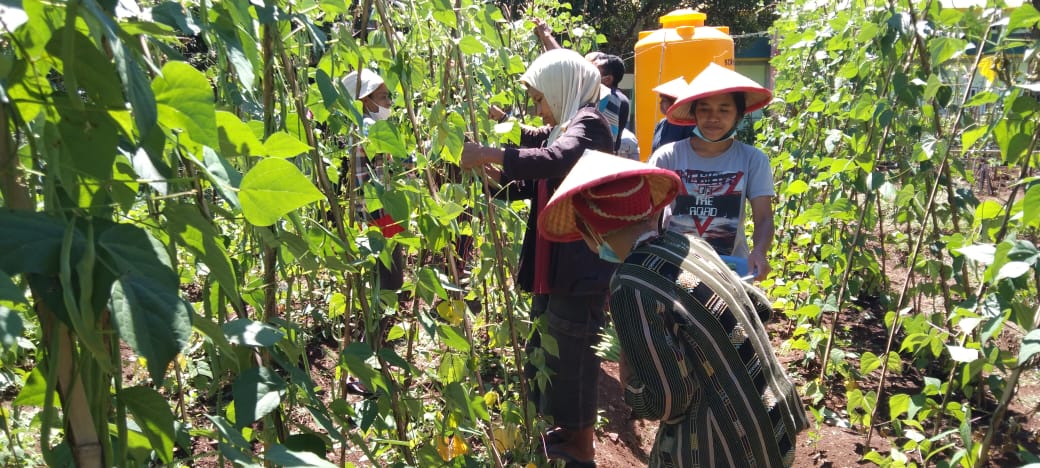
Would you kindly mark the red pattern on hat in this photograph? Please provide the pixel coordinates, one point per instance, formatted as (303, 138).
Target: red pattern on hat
(611, 206)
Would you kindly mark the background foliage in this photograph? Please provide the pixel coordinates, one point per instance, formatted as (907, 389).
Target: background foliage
(174, 245)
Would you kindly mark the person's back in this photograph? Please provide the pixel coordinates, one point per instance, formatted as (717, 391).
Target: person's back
(727, 402)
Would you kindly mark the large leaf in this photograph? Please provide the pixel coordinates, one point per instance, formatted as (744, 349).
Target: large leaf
(135, 82)
(184, 100)
(1030, 346)
(31, 242)
(12, 305)
(94, 73)
(152, 413)
(273, 188)
(225, 178)
(257, 392)
(153, 321)
(233, 445)
(284, 145)
(247, 332)
(146, 307)
(383, 138)
(282, 456)
(236, 138)
(202, 238)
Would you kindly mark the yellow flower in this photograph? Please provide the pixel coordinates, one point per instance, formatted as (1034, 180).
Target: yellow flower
(450, 447)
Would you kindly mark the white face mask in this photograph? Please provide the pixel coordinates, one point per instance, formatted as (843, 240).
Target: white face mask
(381, 113)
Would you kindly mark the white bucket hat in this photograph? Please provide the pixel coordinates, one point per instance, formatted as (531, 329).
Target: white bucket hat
(370, 81)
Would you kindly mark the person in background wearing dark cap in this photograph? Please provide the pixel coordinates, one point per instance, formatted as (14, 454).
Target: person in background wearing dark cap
(695, 353)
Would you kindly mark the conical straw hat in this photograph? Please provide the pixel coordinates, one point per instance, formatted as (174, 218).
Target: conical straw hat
(644, 190)
(714, 80)
(672, 88)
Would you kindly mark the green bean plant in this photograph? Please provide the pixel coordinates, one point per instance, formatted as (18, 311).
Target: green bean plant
(876, 150)
(182, 237)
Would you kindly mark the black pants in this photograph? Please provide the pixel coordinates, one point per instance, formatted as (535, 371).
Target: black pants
(575, 321)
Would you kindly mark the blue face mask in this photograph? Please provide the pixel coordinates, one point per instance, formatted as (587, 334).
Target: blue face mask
(607, 254)
(728, 135)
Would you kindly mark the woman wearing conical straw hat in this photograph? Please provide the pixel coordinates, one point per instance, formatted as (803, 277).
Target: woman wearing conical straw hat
(695, 352)
(720, 173)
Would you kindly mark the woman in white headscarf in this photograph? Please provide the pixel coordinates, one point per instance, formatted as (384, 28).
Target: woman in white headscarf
(569, 283)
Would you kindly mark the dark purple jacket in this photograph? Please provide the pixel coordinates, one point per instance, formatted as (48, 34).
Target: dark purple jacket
(573, 268)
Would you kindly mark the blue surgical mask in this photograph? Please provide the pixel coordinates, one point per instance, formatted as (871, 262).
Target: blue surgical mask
(607, 254)
(728, 135)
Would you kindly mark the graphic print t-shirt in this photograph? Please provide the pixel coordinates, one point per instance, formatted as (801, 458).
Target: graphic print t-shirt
(717, 187)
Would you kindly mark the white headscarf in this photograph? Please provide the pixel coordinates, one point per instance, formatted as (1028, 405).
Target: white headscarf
(568, 82)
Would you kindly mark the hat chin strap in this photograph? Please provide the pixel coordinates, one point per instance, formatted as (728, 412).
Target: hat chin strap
(728, 135)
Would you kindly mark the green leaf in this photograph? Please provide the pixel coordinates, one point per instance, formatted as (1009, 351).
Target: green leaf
(273, 188)
(245, 332)
(470, 45)
(868, 362)
(184, 99)
(282, 456)
(12, 305)
(284, 145)
(429, 285)
(146, 307)
(34, 392)
(31, 242)
(306, 442)
(981, 253)
(231, 435)
(384, 139)
(211, 330)
(452, 338)
(1025, 16)
(95, 75)
(152, 413)
(962, 354)
(898, 404)
(1030, 346)
(153, 321)
(235, 136)
(444, 13)
(135, 82)
(796, 187)
(1013, 269)
(354, 358)
(224, 177)
(257, 391)
(188, 227)
(1031, 206)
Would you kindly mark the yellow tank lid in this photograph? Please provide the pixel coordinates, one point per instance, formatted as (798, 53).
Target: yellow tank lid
(683, 17)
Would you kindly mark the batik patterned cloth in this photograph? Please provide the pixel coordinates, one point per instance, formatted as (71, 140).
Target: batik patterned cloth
(700, 360)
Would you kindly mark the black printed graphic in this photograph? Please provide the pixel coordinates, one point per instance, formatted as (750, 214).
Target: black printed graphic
(711, 210)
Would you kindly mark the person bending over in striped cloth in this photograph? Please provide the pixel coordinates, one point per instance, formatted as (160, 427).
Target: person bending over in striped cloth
(695, 353)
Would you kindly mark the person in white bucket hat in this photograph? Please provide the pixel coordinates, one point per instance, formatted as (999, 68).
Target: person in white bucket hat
(695, 352)
(368, 87)
(720, 173)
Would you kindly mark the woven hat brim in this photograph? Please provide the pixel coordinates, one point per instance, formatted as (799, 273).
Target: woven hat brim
(556, 221)
(715, 80)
